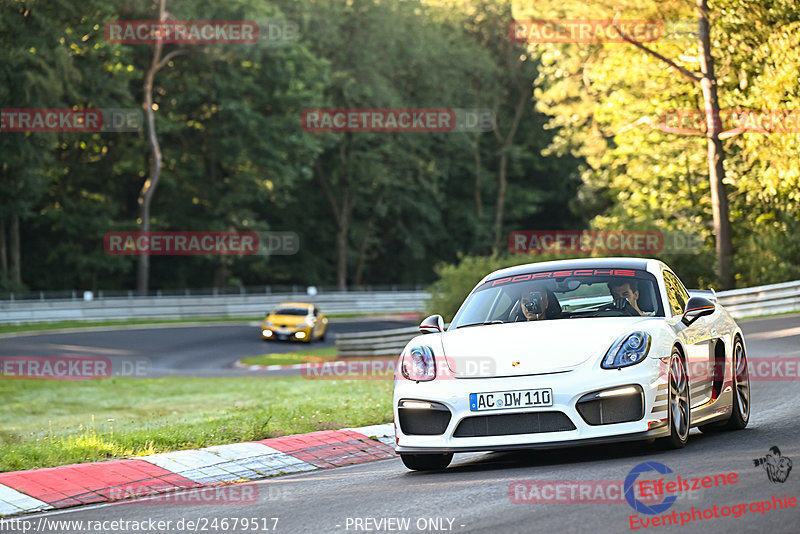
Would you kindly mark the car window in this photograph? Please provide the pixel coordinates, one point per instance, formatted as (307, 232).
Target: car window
(676, 293)
(563, 294)
(291, 311)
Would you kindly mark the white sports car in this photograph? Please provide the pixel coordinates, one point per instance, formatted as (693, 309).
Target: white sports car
(568, 353)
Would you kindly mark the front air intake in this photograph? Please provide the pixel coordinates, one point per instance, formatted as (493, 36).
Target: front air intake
(513, 423)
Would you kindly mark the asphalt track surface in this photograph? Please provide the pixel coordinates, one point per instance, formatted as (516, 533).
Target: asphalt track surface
(208, 350)
(473, 492)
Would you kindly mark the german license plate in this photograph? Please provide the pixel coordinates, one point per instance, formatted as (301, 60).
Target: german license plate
(520, 398)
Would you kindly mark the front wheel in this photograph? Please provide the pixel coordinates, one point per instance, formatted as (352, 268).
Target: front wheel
(426, 462)
(678, 404)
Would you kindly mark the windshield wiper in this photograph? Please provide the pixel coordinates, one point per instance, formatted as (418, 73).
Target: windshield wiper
(480, 324)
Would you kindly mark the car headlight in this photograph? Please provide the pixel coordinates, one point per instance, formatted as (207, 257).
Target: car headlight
(629, 349)
(419, 364)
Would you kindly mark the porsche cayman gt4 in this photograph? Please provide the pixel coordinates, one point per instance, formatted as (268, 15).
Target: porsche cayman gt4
(566, 353)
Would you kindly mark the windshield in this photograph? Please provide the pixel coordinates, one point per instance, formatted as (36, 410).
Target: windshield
(562, 295)
(291, 311)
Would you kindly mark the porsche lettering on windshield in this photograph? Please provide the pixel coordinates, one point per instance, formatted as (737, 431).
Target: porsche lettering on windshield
(560, 274)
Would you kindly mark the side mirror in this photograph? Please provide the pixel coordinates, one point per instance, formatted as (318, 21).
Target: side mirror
(697, 307)
(432, 325)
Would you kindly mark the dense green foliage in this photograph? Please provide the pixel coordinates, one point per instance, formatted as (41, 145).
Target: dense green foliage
(609, 100)
(235, 156)
(385, 208)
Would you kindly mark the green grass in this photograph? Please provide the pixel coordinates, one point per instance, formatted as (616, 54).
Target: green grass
(289, 358)
(49, 423)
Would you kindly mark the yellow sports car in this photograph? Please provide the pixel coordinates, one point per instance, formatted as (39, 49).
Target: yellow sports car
(295, 321)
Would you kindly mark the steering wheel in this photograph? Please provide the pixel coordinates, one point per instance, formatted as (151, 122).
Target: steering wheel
(621, 305)
(516, 315)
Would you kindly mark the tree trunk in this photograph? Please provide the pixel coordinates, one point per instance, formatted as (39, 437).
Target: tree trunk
(502, 181)
(341, 256)
(362, 249)
(220, 276)
(149, 188)
(15, 272)
(342, 211)
(505, 145)
(3, 252)
(478, 164)
(716, 155)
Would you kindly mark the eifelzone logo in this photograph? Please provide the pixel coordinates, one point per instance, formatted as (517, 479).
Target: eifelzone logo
(777, 467)
(636, 504)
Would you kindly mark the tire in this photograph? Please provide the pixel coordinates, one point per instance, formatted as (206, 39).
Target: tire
(740, 415)
(426, 462)
(740, 401)
(678, 404)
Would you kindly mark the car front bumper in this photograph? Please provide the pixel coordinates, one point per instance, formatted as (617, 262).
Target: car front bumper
(568, 388)
(286, 334)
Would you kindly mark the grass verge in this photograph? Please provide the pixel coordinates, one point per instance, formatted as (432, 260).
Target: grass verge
(289, 358)
(50, 423)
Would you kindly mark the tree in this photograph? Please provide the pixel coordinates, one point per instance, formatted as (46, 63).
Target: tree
(158, 62)
(716, 154)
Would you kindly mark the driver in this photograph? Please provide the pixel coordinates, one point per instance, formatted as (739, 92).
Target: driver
(624, 293)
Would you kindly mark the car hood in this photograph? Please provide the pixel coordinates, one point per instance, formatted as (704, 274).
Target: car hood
(530, 348)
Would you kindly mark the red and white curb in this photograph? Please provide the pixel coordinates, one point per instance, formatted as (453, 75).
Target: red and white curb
(334, 368)
(276, 367)
(71, 485)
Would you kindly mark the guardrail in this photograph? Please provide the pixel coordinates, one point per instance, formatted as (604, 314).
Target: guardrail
(762, 300)
(18, 312)
(752, 301)
(380, 343)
